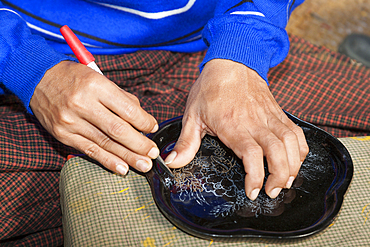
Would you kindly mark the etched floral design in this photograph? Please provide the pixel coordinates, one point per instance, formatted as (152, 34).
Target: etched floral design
(216, 172)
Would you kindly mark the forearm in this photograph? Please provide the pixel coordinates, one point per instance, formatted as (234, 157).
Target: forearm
(24, 57)
(251, 33)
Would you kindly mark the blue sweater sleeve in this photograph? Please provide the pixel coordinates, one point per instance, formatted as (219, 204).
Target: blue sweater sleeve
(250, 32)
(24, 57)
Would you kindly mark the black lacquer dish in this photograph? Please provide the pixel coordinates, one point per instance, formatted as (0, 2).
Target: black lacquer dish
(206, 198)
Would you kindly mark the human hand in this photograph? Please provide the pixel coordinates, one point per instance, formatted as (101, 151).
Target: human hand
(232, 102)
(88, 112)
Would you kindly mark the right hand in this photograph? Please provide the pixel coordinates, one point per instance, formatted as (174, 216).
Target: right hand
(231, 101)
(88, 112)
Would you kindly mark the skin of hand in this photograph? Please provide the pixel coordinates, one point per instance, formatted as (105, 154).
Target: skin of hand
(232, 102)
(88, 112)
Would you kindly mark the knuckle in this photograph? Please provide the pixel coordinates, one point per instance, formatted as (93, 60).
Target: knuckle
(253, 152)
(92, 150)
(276, 145)
(77, 97)
(90, 80)
(131, 111)
(65, 118)
(298, 130)
(289, 136)
(304, 149)
(105, 142)
(57, 131)
(75, 100)
(117, 130)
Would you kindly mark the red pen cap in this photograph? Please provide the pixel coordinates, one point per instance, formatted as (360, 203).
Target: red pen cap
(83, 55)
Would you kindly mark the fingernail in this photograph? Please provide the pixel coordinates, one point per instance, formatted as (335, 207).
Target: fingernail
(121, 169)
(156, 127)
(275, 192)
(143, 165)
(290, 182)
(170, 158)
(153, 153)
(253, 195)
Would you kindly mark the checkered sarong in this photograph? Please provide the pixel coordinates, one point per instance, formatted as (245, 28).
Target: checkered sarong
(324, 88)
(313, 83)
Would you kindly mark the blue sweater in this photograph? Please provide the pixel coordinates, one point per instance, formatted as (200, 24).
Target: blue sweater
(251, 32)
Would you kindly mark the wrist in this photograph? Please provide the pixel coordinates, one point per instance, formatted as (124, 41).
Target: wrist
(229, 71)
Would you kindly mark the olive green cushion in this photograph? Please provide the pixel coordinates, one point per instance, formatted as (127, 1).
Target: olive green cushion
(104, 209)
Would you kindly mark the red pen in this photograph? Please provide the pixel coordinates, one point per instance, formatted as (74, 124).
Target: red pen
(83, 55)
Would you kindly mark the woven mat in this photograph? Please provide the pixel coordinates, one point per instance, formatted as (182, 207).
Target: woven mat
(105, 209)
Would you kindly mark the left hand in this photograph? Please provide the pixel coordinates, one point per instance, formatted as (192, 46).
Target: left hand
(232, 102)
(90, 113)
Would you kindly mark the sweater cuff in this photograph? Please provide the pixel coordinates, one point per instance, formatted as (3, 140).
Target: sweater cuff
(26, 67)
(241, 43)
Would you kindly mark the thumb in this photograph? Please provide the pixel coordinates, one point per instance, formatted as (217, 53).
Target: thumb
(186, 146)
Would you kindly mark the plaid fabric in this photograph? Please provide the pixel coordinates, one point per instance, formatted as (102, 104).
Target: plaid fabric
(313, 83)
(30, 164)
(104, 209)
(324, 88)
(161, 80)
